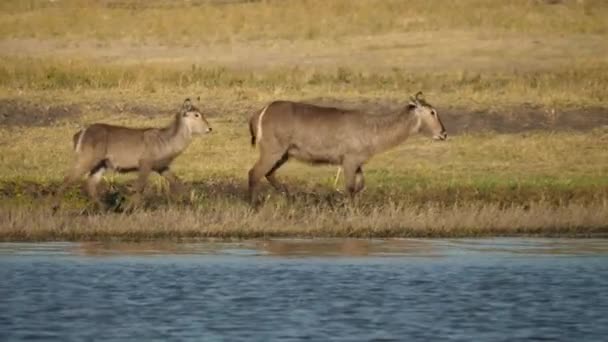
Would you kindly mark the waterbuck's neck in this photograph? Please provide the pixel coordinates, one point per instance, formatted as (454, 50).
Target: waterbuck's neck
(177, 135)
(390, 130)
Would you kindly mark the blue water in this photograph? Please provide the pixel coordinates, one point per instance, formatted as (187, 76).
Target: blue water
(332, 290)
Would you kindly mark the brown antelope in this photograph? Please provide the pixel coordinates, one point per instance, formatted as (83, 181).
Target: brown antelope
(327, 135)
(102, 147)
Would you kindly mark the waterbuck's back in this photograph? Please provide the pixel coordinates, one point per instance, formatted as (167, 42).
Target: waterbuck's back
(120, 146)
(312, 133)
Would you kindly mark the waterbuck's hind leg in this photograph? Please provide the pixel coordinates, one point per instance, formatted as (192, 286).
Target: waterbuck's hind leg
(262, 167)
(93, 180)
(81, 167)
(271, 177)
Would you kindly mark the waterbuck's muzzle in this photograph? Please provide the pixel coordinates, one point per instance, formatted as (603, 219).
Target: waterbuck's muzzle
(441, 136)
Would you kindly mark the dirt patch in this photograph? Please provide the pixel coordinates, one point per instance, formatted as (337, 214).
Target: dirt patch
(524, 119)
(145, 110)
(15, 112)
(511, 120)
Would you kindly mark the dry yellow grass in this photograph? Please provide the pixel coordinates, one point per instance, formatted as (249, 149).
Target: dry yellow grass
(195, 21)
(280, 219)
(581, 84)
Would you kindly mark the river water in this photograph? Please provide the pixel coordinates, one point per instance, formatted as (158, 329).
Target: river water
(314, 290)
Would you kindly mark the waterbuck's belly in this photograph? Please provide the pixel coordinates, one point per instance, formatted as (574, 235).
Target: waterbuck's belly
(124, 165)
(315, 156)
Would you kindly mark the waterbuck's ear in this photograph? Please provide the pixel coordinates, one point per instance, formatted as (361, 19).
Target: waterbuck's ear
(415, 100)
(186, 107)
(187, 104)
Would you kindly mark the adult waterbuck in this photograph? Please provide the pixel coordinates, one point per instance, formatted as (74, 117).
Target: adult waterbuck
(102, 147)
(327, 135)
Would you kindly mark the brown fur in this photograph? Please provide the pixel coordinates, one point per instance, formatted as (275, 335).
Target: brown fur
(327, 135)
(101, 147)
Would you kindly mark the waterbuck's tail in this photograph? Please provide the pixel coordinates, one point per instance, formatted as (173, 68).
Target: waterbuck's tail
(252, 131)
(76, 139)
(255, 125)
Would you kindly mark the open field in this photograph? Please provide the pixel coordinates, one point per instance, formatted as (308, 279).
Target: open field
(522, 88)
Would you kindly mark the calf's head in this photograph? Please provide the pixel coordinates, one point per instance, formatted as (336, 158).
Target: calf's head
(428, 116)
(192, 117)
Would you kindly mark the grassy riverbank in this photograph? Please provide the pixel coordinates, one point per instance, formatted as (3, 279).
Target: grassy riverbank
(521, 87)
(473, 185)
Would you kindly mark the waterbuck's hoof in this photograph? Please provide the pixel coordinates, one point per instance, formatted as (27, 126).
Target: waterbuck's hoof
(133, 202)
(130, 207)
(177, 188)
(113, 201)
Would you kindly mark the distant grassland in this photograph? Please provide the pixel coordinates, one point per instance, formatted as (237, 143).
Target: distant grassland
(473, 53)
(211, 21)
(580, 85)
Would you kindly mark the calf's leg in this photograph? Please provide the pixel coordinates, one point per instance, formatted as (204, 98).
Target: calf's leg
(93, 180)
(80, 168)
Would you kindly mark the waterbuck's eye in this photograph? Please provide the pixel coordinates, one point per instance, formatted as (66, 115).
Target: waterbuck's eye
(197, 115)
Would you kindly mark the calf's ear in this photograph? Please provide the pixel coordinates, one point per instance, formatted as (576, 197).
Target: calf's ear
(187, 104)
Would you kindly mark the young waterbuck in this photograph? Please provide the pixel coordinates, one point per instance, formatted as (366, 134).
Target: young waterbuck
(102, 147)
(324, 135)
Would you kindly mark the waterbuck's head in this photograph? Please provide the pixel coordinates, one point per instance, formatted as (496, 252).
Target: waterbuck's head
(192, 117)
(428, 116)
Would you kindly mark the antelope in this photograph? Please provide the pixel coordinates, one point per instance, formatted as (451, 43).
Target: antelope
(334, 136)
(101, 147)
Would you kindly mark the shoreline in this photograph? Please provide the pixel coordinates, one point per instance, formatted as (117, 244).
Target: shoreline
(279, 219)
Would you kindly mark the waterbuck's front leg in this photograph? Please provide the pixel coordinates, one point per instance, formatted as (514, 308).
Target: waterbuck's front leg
(359, 180)
(353, 177)
(144, 169)
(175, 184)
(337, 178)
